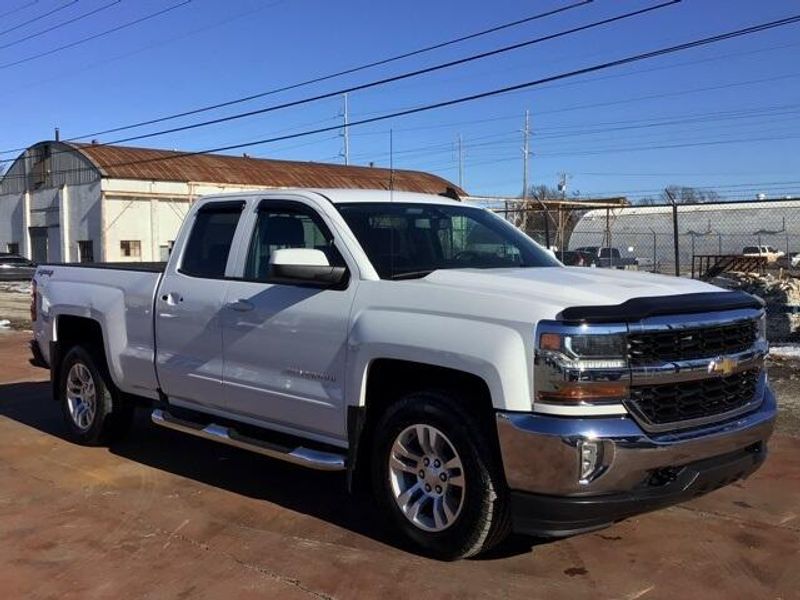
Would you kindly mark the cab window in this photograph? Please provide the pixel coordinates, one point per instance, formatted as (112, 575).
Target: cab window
(209, 245)
(282, 225)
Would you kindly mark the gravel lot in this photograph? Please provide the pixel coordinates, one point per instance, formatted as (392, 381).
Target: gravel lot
(166, 515)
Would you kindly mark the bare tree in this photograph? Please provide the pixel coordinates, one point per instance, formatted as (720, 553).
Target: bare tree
(690, 195)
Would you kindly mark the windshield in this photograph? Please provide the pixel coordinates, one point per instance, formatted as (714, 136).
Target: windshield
(411, 240)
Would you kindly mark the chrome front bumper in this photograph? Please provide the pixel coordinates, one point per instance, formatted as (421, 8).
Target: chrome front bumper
(541, 453)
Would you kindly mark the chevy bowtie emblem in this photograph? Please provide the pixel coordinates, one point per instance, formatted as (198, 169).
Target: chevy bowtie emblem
(723, 366)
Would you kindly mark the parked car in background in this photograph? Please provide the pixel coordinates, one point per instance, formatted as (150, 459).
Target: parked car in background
(573, 258)
(771, 254)
(16, 268)
(608, 258)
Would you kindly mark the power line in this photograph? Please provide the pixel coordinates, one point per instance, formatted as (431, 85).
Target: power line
(490, 93)
(62, 24)
(18, 9)
(392, 79)
(402, 76)
(338, 74)
(172, 39)
(695, 119)
(95, 36)
(614, 150)
(579, 107)
(40, 17)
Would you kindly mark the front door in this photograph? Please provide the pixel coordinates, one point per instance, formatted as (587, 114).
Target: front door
(188, 310)
(285, 345)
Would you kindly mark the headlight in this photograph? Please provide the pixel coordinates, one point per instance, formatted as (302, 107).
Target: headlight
(587, 350)
(581, 364)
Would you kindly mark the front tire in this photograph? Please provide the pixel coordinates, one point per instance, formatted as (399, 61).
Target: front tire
(94, 414)
(437, 476)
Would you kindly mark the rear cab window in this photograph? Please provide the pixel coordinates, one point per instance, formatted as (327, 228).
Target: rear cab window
(209, 244)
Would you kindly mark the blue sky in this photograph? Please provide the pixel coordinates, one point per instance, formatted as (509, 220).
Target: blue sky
(725, 116)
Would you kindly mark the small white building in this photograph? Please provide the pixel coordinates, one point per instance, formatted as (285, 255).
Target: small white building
(68, 202)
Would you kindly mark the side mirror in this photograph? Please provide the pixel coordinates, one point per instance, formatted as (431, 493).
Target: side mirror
(304, 266)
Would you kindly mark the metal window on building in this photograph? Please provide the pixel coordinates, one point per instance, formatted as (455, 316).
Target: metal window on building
(85, 251)
(12, 247)
(164, 251)
(131, 248)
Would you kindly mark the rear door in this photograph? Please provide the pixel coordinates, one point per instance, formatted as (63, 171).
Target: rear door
(285, 345)
(188, 308)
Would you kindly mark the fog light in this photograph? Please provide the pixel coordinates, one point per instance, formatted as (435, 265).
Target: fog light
(591, 454)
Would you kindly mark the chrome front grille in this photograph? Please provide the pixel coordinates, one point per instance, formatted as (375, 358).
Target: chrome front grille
(653, 347)
(675, 403)
(690, 370)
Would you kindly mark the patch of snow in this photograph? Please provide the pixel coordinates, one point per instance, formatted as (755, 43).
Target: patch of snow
(792, 352)
(16, 287)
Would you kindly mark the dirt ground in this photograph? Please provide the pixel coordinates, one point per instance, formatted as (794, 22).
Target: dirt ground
(163, 515)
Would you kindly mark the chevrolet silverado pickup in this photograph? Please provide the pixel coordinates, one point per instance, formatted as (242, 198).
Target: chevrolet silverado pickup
(428, 349)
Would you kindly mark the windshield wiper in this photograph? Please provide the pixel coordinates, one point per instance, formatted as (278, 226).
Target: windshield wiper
(411, 274)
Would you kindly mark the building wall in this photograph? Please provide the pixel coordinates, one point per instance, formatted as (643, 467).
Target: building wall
(150, 223)
(60, 194)
(149, 212)
(711, 228)
(11, 221)
(67, 198)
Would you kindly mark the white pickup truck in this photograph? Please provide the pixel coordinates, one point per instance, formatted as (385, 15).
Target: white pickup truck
(424, 346)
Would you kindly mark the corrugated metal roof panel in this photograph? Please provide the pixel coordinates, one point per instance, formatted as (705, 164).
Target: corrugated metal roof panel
(121, 162)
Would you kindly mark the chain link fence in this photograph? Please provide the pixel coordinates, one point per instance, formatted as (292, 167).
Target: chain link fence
(753, 246)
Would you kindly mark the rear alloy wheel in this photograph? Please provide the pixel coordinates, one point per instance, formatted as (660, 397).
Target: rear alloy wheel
(94, 411)
(81, 396)
(438, 477)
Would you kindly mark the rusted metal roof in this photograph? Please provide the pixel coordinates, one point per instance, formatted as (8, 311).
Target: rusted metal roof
(123, 162)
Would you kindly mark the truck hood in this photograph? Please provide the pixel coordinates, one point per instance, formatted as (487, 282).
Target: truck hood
(564, 287)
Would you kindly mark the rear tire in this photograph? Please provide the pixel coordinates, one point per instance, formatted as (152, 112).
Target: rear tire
(94, 411)
(438, 477)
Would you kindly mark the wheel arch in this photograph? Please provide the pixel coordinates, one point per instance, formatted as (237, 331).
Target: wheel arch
(387, 380)
(72, 330)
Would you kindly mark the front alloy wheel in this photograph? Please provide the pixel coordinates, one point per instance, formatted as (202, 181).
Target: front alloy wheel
(437, 474)
(426, 477)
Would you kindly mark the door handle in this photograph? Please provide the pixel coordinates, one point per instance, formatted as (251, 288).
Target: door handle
(172, 298)
(241, 305)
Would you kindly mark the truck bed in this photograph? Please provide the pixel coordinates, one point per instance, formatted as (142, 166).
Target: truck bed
(119, 296)
(151, 267)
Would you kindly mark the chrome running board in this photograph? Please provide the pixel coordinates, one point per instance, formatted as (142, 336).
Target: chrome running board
(305, 457)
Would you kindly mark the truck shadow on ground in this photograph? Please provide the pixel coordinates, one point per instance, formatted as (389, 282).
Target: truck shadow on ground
(318, 494)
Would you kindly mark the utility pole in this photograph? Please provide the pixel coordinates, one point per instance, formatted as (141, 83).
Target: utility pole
(526, 134)
(460, 162)
(526, 152)
(562, 187)
(346, 132)
(672, 201)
